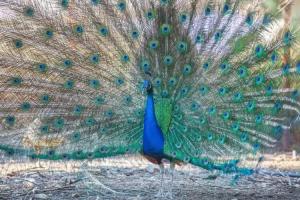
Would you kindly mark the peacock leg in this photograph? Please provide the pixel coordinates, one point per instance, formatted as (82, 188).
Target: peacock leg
(170, 192)
(161, 189)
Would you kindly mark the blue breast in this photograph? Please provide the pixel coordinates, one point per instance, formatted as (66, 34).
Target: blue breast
(153, 139)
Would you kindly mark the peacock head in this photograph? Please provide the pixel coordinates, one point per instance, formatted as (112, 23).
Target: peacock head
(147, 87)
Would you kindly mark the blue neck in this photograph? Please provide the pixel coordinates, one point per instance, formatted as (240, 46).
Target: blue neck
(153, 139)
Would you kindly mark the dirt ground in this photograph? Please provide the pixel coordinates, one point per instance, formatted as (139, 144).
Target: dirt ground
(123, 178)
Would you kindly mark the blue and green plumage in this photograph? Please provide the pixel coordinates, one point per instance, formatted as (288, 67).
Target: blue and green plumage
(153, 139)
(72, 86)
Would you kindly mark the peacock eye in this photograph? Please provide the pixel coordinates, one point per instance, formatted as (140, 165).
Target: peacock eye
(64, 3)
(42, 68)
(119, 81)
(51, 153)
(153, 44)
(44, 129)
(226, 8)
(168, 60)
(26, 106)
(244, 137)
(79, 29)
(199, 38)
(205, 65)
(121, 5)
(134, 34)
(278, 129)
(207, 11)
(29, 11)
(267, 19)
(164, 2)
(257, 49)
(218, 36)
(183, 17)
(287, 38)
(150, 15)
(295, 93)
(249, 19)
(258, 118)
(145, 65)
(274, 57)
(182, 47)
(18, 44)
(10, 120)
(103, 30)
(95, 2)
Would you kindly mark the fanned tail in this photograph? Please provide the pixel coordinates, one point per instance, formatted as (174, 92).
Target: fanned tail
(71, 75)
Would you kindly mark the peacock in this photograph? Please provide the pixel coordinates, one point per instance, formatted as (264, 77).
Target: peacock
(191, 81)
